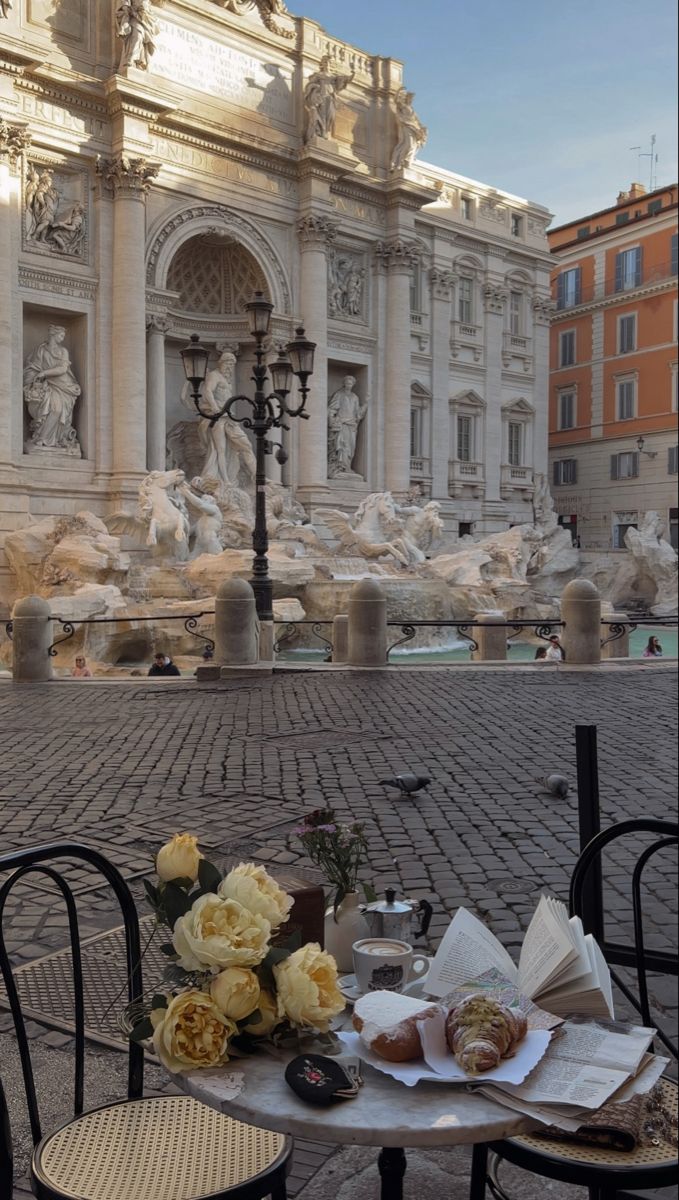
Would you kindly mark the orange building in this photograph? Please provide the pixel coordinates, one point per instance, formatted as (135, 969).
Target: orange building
(613, 368)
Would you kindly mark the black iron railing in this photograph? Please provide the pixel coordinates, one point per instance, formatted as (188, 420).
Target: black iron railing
(542, 629)
(618, 628)
(290, 628)
(190, 625)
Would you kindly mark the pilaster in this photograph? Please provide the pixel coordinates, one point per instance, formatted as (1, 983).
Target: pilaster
(397, 256)
(317, 232)
(157, 327)
(14, 140)
(443, 283)
(494, 300)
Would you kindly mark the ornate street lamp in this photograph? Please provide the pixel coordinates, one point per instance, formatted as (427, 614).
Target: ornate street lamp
(266, 413)
(641, 442)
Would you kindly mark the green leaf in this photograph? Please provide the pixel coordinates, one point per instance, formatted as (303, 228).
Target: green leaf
(184, 882)
(159, 1000)
(276, 955)
(168, 949)
(151, 893)
(143, 1031)
(209, 877)
(253, 1019)
(175, 902)
(369, 893)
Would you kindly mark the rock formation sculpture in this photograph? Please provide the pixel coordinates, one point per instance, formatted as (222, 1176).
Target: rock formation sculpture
(345, 413)
(50, 392)
(320, 100)
(412, 134)
(656, 558)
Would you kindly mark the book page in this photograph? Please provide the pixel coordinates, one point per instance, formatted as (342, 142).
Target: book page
(467, 950)
(547, 949)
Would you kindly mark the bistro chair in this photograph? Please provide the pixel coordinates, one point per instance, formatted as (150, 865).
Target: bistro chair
(608, 1174)
(142, 1148)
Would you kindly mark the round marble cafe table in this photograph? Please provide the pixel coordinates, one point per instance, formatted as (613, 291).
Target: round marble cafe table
(384, 1114)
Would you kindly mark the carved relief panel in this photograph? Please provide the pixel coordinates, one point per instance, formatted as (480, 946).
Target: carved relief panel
(55, 211)
(346, 285)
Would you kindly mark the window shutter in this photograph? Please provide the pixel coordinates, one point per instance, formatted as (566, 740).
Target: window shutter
(675, 254)
(635, 463)
(619, 260)
(578, 289)
(638, 265)
(574, 471)
(555, 474)
(560, 291)
(614, 467)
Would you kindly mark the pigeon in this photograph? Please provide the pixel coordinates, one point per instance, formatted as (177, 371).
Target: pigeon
(407, 783)
(558, 785)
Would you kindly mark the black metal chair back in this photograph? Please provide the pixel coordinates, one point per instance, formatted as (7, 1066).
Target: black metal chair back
(636, 956)
(22, 863)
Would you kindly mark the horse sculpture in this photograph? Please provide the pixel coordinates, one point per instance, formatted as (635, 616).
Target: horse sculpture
(161, 521)
(381, 527)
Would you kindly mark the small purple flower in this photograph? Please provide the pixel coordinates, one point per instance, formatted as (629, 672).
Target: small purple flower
(327, 828)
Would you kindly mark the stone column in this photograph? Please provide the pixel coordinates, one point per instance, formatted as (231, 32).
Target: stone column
(398, 256)
(581, 614)
(316, 233)
(491, 641)
(543, 308)
(14, 139)
(31, 640)
(494, 298)
(367, 625)
(442, 290)
(129, 180)
(157, 326)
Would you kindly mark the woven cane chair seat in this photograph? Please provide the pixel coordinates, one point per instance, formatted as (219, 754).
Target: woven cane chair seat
(158, 1148)
(602, 1156)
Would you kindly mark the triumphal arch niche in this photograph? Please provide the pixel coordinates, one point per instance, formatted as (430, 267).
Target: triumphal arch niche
(159, 162)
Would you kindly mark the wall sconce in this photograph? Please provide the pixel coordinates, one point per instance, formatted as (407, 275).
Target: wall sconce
(649, 453)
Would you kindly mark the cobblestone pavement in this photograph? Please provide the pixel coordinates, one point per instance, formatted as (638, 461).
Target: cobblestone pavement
(122, 766)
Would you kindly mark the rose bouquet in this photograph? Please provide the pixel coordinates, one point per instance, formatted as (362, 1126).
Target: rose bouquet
(231, 982)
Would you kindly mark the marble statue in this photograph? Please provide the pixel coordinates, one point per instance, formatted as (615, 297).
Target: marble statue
(412, 134)
(161, 521)
(50, 392)
(267, 9)
(226, 446)
(136, 27)
(345, 413)
(320, 100)
(205, 514)
(63, 232)
(381, 526)
(656, 558)
(5, 7)
(345, 286)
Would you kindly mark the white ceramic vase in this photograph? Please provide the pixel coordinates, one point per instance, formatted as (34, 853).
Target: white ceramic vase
(342, 929)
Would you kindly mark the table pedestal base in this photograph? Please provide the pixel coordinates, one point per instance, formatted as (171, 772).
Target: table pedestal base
(392, 1167)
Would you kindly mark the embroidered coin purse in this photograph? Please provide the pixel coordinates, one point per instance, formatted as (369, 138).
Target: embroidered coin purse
(320, 1080)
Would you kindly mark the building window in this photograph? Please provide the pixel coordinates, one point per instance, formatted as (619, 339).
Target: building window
(625, 465)
(565, 470)
(583, 232)
(628, 269)
(621, 218)
(674, 527)
(467, 208)
(465, 297)
(568, 289)
(517, 225)
(465, 529)
(627, 333)
(514, 443)
(672, 460)
(416, 433)
(674, 254)
(415, 289)
(621, 523)
(566, 410)
(567, 348)
(516, 313)
(654, 206)
(625, 399)
(465, 439)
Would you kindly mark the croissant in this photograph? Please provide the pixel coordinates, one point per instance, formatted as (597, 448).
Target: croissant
(480, 1032)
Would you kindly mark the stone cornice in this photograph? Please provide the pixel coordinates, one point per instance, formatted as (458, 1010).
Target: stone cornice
(45, 280)
(125, 175)
(63, 93)
(124, 95)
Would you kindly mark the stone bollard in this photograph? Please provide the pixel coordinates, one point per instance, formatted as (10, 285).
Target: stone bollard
(491, 641)
(620, 647)
(236, 625)
(266, 641)
(581, 614)
(367, 642)
(340, 638)
(31, 640)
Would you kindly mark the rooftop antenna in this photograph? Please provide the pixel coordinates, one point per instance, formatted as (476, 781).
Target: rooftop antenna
(653, 162)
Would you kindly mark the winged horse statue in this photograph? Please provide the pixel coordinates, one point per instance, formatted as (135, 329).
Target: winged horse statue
(161, 520)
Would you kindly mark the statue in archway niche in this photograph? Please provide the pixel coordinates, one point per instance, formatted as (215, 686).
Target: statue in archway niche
(137, 28)
(320, 100)
(50, 392)
(226, 446)
(345, 413)
(412, 134)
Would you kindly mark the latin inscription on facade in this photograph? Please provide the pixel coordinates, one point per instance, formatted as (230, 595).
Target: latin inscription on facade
(214, 164)
(194, 61)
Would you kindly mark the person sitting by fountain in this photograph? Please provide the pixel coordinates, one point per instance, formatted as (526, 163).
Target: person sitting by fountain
(555, 651)
(163, 665)
(652, 649)
(541, 653)
(81, 669)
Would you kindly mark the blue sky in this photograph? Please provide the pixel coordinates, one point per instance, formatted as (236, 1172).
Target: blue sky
(539, 98)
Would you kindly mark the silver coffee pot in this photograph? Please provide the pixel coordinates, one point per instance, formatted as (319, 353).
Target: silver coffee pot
(392, 918)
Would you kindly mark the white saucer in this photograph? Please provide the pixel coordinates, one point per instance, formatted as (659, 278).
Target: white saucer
(349, 988)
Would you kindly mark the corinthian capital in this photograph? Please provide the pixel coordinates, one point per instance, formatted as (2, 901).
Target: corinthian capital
(317, 232)
(398, 254)
(442, 283)
(543, 309)
(14, 139)
(494, 297)
(127, 176)
(158, 323)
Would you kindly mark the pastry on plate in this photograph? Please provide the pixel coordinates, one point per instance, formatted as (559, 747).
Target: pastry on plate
(480, 1032)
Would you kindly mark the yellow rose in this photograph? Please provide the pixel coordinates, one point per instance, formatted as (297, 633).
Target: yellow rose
(235, 991)
(191, 1032)
(217, 933)
(179, 858)
(306, 983)
(254, 888)
(269, 1017)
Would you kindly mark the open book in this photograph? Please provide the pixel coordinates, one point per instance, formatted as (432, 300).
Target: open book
(560, 967)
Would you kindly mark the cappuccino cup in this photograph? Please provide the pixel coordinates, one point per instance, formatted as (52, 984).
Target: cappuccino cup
(385, 964)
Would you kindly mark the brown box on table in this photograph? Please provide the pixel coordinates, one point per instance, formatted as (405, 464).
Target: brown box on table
(308, 909)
